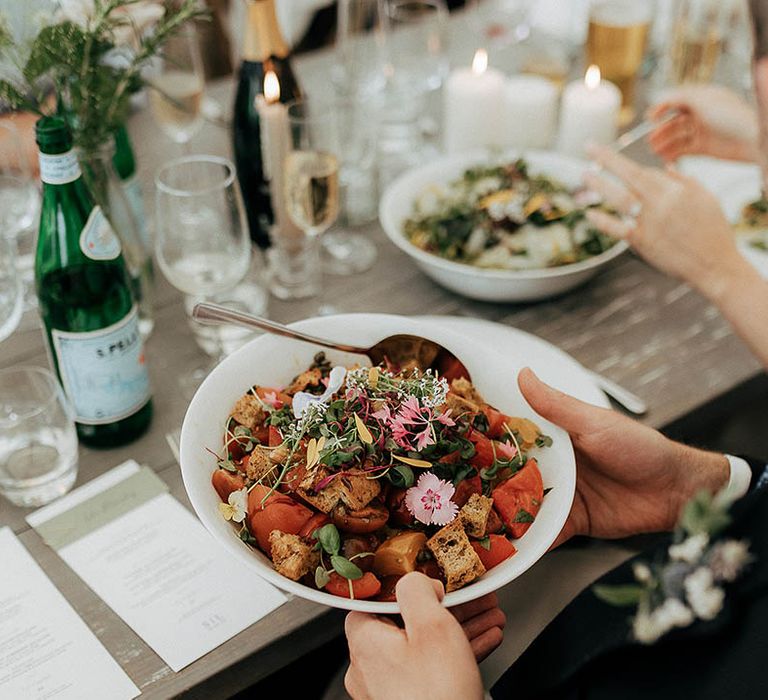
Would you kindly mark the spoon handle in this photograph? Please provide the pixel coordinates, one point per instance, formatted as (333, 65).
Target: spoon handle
(205, 312)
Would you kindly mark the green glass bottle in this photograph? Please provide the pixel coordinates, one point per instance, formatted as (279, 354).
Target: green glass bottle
(86, 303)
(124, 161)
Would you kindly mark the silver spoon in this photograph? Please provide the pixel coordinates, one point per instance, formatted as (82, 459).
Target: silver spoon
(397, 349)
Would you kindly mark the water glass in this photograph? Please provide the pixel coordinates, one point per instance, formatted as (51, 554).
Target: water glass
(361, 60)
(11, 295)
(38, 442)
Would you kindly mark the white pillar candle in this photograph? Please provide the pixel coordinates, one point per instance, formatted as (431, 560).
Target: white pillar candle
(473, 105)
(589, 113)
(530, 112)
(275, 146)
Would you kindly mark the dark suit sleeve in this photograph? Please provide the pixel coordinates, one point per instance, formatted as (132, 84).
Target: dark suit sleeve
(759, 473)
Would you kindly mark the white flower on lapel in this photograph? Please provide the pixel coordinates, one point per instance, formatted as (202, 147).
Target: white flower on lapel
(690, 549)
(704, 597)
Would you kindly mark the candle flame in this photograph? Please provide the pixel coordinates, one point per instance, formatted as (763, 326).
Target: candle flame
(480, 62)
(271, 87)
(592, 78)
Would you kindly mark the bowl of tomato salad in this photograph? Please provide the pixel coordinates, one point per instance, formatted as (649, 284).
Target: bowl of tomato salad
(332, 479)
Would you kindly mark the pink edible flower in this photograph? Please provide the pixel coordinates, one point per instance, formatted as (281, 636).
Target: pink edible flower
(270, 398)
(383, 414)
(413, 422)
(429, 501)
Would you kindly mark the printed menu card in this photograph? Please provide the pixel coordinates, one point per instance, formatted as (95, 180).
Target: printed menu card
(46, 651)
(154, 564)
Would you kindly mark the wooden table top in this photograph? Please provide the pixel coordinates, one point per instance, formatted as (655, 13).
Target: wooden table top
(652, 334)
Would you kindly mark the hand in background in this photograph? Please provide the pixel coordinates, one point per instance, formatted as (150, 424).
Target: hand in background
(713, 121)
(430, 658)
(671, 220)
(630, 479)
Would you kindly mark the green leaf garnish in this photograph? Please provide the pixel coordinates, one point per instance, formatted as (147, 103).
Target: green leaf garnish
(321, 577)
(329, 538)
(523, 516)
(343, 567)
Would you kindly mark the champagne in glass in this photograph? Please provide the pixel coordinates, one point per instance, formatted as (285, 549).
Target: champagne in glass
(177, 94)
(697, 40)
(312, 190)
(616, 42)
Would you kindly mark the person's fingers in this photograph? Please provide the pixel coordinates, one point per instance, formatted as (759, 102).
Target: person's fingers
(614, 194)
(487, 642)
(353, 682)
(676, 142)
(420, 603)
(475, 607)
(478, 625)
(641, 181)
(569, 413)
(611, 225)
(364, 630)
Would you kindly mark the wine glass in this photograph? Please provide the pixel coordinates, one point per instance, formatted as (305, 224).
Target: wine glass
(361, 60)
(11, 297)
(417, 41)
(201, 239)
(176, 93)
(504, 22)
(311, 200)
(19, 205)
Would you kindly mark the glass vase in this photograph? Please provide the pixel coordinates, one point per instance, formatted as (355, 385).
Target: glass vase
(107, 189)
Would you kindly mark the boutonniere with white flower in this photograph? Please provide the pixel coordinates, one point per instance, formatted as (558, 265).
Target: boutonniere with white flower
(689, 582)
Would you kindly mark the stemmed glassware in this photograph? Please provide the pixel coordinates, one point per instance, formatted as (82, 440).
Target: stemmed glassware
(19, 205)
(176, 97)
(11, 297)
(311, 191)
(201, 238)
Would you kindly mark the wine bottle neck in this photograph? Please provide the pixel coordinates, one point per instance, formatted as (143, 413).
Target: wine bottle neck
(263, 39)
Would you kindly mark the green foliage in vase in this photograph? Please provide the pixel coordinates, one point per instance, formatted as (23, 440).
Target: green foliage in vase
(93, 65)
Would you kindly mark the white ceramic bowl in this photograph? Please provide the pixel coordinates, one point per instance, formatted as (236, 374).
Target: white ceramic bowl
(272, 360)
(480, 283)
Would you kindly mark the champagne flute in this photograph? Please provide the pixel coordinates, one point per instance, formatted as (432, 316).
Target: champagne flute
(176, 95)
(311, 200)
(19, 205)
(201, 240)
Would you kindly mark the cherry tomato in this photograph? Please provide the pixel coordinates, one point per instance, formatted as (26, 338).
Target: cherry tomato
(366, 587)
(466, 488)
(314, 523)
(353, 546)
(523, 492)
(500, 549)
(278, 512)
(226, 482)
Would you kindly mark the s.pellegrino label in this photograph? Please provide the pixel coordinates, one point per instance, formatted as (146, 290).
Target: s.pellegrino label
(97, 239)
(103, 372)
(59, 169)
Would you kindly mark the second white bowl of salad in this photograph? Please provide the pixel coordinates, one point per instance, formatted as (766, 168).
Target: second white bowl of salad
(503, 227)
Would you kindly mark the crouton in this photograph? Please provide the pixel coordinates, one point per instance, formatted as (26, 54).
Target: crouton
(355, 491)
(259, 467)
(464, 388)
(474, 515)
(291, 556)
(459, 405)
(527, 431)
(454, 554)
(248, 411)
(312, 377)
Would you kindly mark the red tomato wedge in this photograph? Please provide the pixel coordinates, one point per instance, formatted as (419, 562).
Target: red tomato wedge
(226, 482)
(518, 499)
(466, 488)
(279, 512)
(366, 587)
(314, 523)
(483, 457)
(496, 420)
(275, 438)
(500, 549)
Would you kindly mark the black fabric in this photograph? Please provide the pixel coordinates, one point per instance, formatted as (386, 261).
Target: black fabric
(587, 652)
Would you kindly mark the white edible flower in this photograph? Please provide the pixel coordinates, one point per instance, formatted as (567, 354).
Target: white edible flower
(704, 597)
(642, 572)
(236, 507)
(728, 559)
(690, 549)
(302, 399)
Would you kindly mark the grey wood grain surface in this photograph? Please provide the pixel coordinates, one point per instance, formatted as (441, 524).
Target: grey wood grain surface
(652, 334)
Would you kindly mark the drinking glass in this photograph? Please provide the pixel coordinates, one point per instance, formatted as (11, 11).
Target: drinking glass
(11, 296)
(176, 96)
(698, 37)
(311, 193)
(503, 22)
(38, 442)
(201, 239)
(19, 204)
(417, 43)
(616, 42)
(361, 60)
